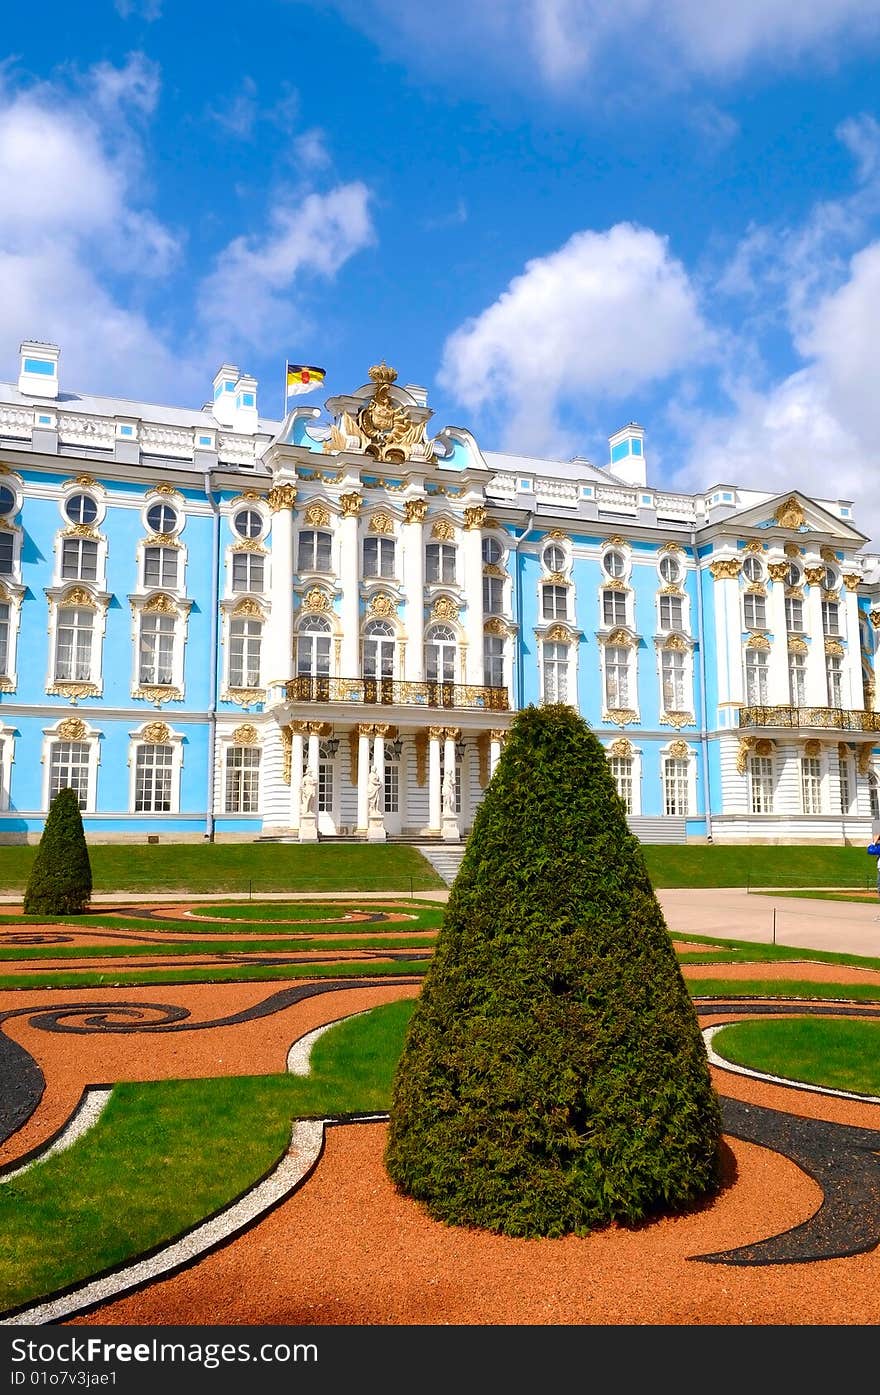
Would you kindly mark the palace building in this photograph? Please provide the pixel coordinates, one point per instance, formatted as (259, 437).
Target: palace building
(214, 625)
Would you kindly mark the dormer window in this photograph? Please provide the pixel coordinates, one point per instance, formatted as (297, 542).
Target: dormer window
(492, 552)
(670, 569)
(614, 563)
(753, 568)
(161, 518)
(248, 523)
(554, 557)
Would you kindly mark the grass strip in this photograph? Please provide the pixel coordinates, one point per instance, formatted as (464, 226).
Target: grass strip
(184, 947)
(216, 973)
(836, 1053)
(167, 1154)
(781, 988)
(746, 950)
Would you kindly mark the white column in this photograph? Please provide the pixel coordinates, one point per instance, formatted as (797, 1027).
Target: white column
(728, 631)
(434, 792)
(349, 574)
(413, 544)
(314, 753)
(777, 667)
(379, 756)
(363, 772)
(817, 680)
(278, 667)
(853, 651)
(296, 767)
(494, 751)
(472, 561)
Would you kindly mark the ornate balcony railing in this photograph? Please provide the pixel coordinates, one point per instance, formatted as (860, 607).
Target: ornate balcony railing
(391, 692)
(832, 718)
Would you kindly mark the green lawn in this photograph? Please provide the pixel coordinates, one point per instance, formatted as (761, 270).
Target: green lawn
(673, 865)
(840, 1054)
(166, 1154)
(240, 868)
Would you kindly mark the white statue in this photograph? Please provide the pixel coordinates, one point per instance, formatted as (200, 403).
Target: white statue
(449, 795)
(307, 792)
(374, 789)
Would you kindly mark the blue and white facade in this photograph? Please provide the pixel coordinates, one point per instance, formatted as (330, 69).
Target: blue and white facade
(214, 625)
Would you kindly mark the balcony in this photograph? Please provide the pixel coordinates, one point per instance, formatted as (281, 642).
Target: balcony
(393, 693)
(829, 718)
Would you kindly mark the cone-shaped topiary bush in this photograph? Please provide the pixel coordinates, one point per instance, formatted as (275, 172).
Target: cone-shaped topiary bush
(60, 882)
(553, 1077)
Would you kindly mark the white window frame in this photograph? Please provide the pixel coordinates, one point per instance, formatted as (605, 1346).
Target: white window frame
(251, 747)
(77, 596)
(314, 626)
(173, 550)
(790, 603)
(441, 551)
(10, 595)
(611, 641)
(493, 594)
(762, 784)
(554, 591)
(500, 656)
(618, 602)
(846, 783)
(90, 737)
(757, 668)
(250, 556)
(175, 608)
(313, 534)
(155, 733)
(689, 762)
(443, 635)
(7, 760)
(383, 566)
(756, 603)
(801, 668)
(15, 485)
(634, 756)
(811, 784)
(667, 624)
(383, 635)
(831, 611)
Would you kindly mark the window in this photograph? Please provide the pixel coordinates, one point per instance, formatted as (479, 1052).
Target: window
(378, 556)
(248, 523)
(614, 563)
(671, 613)
(379, 650)
(7, 501)
(556, 672)
(242, 780)
(313, 647)
(392, 781)
(874, 795)
(492, 552)
(493, 595)
(676, 786)
(160, 566)
(753, 568)
(830, 618)
(834, 676)
(554, 601)
(313, 552)
(73, 645)
(755, 612)
(79, 560)
(247, 571)
(325, 780)
(670, 569)
(761, 784)
(81, 508)
(616, 676)
(245, 642)
(672, 678)
(4, 639)
(152, 779)
(613, 607)
(845, 786)
(161, 518)
(811, 785)
(797, 679)
(7, 554)
(493, 661)
(832, 579)
(621, 768)
(756, 677)
(156, 661)
(794, 615)
(69, 769)
(553, 557)
(440, 562)
(440, 655)
(793, 576)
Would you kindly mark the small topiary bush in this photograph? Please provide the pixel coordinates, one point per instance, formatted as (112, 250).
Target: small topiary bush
(553, 1077)
(60, 882)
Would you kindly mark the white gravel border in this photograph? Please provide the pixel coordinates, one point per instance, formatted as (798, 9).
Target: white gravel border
(84, 1117)
(299, 1057)
(723, 1064)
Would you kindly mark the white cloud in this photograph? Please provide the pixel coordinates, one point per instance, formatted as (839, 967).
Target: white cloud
(149, 10)
(248, 296)
(563, 41)
(818, 428)
(238, 116)
(608, 313)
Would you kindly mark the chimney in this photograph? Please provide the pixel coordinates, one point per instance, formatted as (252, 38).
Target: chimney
(627, 455)
(38, 371)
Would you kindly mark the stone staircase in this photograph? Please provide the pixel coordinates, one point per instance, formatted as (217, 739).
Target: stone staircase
(445, 858)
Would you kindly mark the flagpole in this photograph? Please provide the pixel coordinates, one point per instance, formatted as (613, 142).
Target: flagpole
(284, 396)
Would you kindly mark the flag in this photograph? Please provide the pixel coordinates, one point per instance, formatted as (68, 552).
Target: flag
(302, 377)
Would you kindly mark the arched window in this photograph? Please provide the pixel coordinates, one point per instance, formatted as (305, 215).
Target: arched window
(874, 795)
(379, 650)
(440, 655)
(313, 647)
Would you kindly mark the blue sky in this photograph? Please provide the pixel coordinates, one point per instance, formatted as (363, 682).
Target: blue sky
(557, 218)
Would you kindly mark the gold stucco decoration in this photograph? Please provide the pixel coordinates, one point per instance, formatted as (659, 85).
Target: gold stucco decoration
(249, 609)
(621, 637)
(790, 514)
(381, 428)
(246, 735)
(156, 733)
(796, 645)
(475, 517)
(778, 571)
(812, 749)
(350, 504)
(414, 510)
(679, 750)
(71, 729)
(381, 523)
(833, 646)
(874, 618)
(317, 516)
(725, 568)
(382, 605)
(316, 599)
(282, 496)
(814, 575)
(792, 550)
(621, 747)
(558, 634)
(160, 605)
(865, 752)
(758, 642)
(622, 716)
(444, 608)
(851, 581)
(443, 530)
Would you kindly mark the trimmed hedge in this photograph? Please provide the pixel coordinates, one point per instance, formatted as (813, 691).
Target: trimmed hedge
(60, 882)
(553, 1078)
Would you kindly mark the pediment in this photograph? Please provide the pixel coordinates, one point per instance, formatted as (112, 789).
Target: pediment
(794, 515)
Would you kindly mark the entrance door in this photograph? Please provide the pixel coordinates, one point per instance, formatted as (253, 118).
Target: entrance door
(395, 793)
